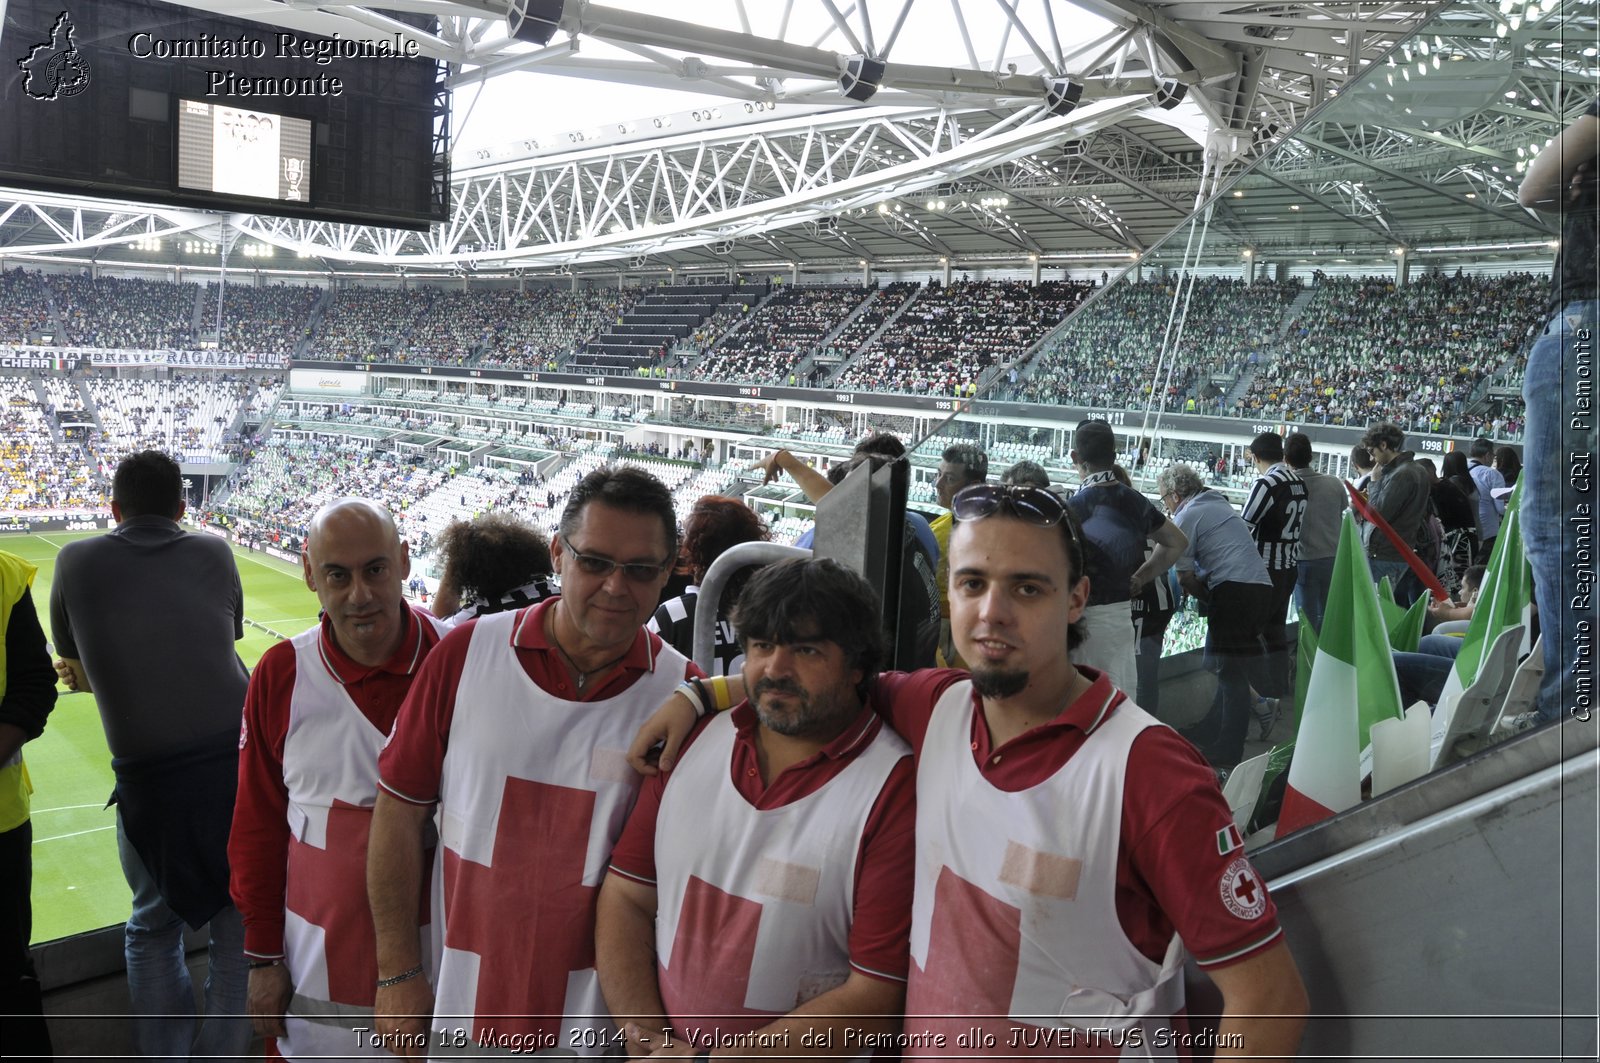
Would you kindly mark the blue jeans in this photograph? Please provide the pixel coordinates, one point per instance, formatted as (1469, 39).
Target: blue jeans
(1405, 584)
(1558, 476)
(1422, 675)
(1235, 617)
(158, 976)
(1311, 589)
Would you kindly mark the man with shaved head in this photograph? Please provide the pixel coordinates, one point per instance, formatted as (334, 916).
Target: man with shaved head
(319, 709)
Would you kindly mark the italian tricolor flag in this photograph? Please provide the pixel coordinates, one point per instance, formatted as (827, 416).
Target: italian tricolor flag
(1351, 687)
(1506, 599)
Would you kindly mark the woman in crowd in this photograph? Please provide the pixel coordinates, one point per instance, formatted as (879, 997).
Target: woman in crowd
(714, 525)
(1509, 463)
(493, 563)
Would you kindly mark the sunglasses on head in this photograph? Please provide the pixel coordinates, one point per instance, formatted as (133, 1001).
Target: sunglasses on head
(602, 567)
(1032, 505)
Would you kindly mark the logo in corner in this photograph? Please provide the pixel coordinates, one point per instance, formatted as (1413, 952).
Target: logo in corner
(55, 69)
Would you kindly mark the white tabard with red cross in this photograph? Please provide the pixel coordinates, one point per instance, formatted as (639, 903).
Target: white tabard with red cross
(532, 795)
(330, 768)
(754, 906)
(1014, 915)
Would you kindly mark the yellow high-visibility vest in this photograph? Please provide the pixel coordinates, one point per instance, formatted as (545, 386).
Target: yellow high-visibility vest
(16, 576)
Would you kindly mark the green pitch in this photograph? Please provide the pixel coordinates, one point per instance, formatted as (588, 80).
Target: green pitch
(77, 882)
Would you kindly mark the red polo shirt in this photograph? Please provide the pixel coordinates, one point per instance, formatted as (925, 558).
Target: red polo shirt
(1172, 872)
(259, 843)
(412, 761)
(885, 870)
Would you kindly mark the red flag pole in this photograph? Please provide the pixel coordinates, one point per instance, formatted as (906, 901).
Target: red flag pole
(1429, 579)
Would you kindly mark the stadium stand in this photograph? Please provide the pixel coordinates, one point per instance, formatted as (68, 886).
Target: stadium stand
(118, 312)
(287, 481)
(1363, 350)
(24, 305)
(648, 331)
(367, 324)
(890, 298)
(546, 324)
(778, 336)
(1107, 355)
(268, 320)
(950, 336)
(192, 418)
(40, 473)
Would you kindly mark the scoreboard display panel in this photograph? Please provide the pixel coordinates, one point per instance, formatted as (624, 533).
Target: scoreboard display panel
(152, 101)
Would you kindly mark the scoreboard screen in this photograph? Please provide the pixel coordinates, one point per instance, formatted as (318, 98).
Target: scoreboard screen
(151, 101)
(239, 152)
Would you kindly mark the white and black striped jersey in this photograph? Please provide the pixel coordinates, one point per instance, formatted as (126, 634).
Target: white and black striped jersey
(1275, 509)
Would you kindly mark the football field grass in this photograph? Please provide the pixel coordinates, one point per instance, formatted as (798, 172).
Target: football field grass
(77, 882)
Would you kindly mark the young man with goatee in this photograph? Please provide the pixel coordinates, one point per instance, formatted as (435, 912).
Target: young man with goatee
(759, 898)
(1070, 849)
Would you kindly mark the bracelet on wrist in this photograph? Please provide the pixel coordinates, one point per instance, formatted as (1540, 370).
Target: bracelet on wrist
(404, 976)
(256, 965)
(695, 691)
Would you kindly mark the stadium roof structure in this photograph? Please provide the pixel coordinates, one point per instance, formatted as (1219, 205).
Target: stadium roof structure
(1083, 134)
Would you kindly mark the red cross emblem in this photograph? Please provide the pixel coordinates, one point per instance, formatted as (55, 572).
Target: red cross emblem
(712, 954)
(327, 887)
(973, 948)
(1242, 891)
(528, 914)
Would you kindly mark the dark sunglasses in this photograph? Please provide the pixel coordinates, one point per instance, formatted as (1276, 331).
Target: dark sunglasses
(602, 567)
(1032, 505)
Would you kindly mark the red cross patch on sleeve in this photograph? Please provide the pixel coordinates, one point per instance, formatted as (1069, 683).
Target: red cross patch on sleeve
(1243, 892)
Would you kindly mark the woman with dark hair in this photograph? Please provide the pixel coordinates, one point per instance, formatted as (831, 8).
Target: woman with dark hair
(1509, 463)
(493, 563)
(1454, 510)
(1455, 471)
(1461, 530)
(714, 525)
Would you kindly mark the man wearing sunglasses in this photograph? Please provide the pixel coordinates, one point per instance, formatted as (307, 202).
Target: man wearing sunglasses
(516, 731)
(1071, 849)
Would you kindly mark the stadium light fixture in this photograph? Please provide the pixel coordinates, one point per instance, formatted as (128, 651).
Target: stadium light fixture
(1061, 95)
(861, 78)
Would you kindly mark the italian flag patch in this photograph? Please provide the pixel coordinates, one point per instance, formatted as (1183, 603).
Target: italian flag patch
(1228, 840)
